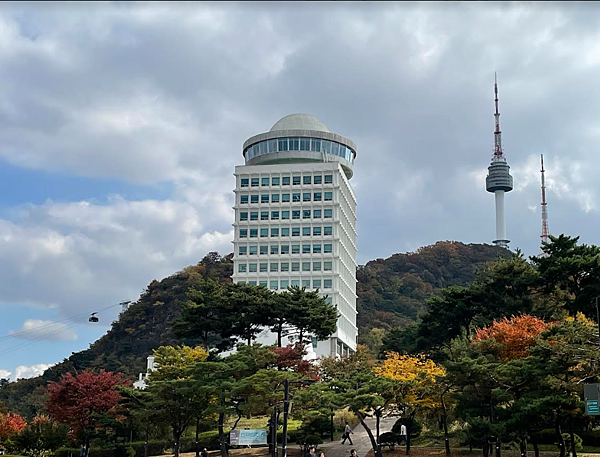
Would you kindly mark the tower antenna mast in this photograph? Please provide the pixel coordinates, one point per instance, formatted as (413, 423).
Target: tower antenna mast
(545, 235)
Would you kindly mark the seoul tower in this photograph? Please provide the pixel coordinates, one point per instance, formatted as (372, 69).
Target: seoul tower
(499, 179)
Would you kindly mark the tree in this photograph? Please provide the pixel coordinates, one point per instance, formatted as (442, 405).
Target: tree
(309, 314)
(41, 437)
(10, 425)
(75, 400)
(251, 310)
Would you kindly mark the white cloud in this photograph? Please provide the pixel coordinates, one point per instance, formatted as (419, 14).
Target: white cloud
(40, 330)
(5, 374)
(23, 371)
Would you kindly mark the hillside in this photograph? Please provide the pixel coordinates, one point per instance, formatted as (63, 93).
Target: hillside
(391, 292)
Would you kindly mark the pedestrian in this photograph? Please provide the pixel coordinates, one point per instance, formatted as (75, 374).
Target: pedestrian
(204, 453)
(402, 435)
(346, 435)
(311, 452)
(353, 453)
(82, 451)
(321, 454)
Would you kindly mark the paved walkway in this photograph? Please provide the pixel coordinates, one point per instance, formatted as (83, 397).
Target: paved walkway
(360, 438)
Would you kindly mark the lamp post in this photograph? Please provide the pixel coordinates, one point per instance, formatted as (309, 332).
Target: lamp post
(286, 409)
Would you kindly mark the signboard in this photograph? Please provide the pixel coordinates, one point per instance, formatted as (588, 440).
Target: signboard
(591, 394)
(247, 437)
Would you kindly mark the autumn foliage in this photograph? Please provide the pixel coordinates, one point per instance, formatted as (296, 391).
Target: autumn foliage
(291, 357)
(10, 424)
(408, 368)
(74, 399)
(515, 335)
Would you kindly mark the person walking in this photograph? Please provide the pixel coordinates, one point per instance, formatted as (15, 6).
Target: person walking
(402, 435)
(346, 436)
(311, 452)
(353, 453)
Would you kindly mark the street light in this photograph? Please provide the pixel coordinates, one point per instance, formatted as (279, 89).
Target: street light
(286, 409)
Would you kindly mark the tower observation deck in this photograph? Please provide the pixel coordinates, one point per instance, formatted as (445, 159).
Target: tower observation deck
(499, 181)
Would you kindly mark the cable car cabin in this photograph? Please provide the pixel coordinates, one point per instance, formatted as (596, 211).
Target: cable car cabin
(93, 318)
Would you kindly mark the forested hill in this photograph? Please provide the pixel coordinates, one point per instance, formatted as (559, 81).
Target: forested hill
(391, 292)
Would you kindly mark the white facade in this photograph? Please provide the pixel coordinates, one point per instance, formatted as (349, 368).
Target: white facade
(295, 223)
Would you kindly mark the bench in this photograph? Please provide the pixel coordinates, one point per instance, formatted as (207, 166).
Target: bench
(391, 446)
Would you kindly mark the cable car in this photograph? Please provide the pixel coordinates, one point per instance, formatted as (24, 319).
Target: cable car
(93, 318)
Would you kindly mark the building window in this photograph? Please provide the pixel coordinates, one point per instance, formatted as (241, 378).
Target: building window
(253, 233)
(316, 266)
(264, 198)
(274, 215)
(275, 181)
(335, 148)
(254, 182)
(273, 285)
(306, 214)
(245, 182)
(244, 216)
(295, 283)
(251, 283)
(285, 231)
(305, 144)
(285, 198)
(306, 179)
(328, 196)
(285, 181)
(264, 250)
(283, 144)
(294, 144)
(263, 267)
(316, 145)
(264, 182)
(328, 179)
(262, 283)
(327, 266)
(317, 196)
(274, 231)
(316, 231)
(274, 267)
(274, 198)
(306, 249)
(243, 250)
(254, 216)
(285, 215)
(328, 213)
(316, 283)
(285, 266)
(296, 180)
(316, 248)
(327, 284)
(264, 232)
(295, 249)
(306, 283)
(305, 231)
(306, 197)
(318, 179)
(243, 233)
(327, 230)
(327, 248)
(264, 215)
(295, 231)
(284, 283)
(296, 197)
(254, 198)
(305, 266)
(285, 248)
(272, 145)
(252, 267)
(243, 199)
(242, 268)
(262, 146)
(295, 266)
(274, 249)
(296, 214)
(317, 214)
(253, 250)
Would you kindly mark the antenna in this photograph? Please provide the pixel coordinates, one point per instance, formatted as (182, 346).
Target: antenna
(544, 236)
(497, 134)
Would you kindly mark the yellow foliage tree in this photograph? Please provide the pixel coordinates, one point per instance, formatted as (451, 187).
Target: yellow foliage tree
(172, 362)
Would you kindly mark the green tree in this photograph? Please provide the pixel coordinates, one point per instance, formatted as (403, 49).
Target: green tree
(309, 314)
(40, 438)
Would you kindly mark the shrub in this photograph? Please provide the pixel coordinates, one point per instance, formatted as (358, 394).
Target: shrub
(389, 438)
(414, 426)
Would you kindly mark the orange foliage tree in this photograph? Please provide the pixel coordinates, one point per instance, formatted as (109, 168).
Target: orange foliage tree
(10, 424)
(515, 335)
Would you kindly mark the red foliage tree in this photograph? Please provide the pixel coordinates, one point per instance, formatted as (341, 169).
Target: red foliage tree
(516, 335)
(74, 400)
(291, 357)
(10, 424)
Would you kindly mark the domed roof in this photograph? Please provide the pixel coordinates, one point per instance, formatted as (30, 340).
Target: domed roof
(299, 122)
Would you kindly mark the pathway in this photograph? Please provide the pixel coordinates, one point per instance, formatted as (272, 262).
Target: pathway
(360, 438)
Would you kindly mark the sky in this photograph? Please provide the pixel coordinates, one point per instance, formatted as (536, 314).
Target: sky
(121, 125)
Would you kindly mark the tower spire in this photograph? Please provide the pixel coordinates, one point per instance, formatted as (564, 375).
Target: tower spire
(497, 134)
(545, 234)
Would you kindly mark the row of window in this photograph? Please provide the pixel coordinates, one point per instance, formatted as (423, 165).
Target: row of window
(285, 231)
(286, 180)
(265, 249)
(287, 198)
(275, 267)
(285, 215)
(285, 283)
(299, 144)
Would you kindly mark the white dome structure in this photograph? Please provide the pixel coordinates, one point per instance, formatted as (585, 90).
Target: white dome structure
(299, 122)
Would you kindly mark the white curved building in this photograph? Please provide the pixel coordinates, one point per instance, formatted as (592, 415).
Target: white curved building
(295, 219)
